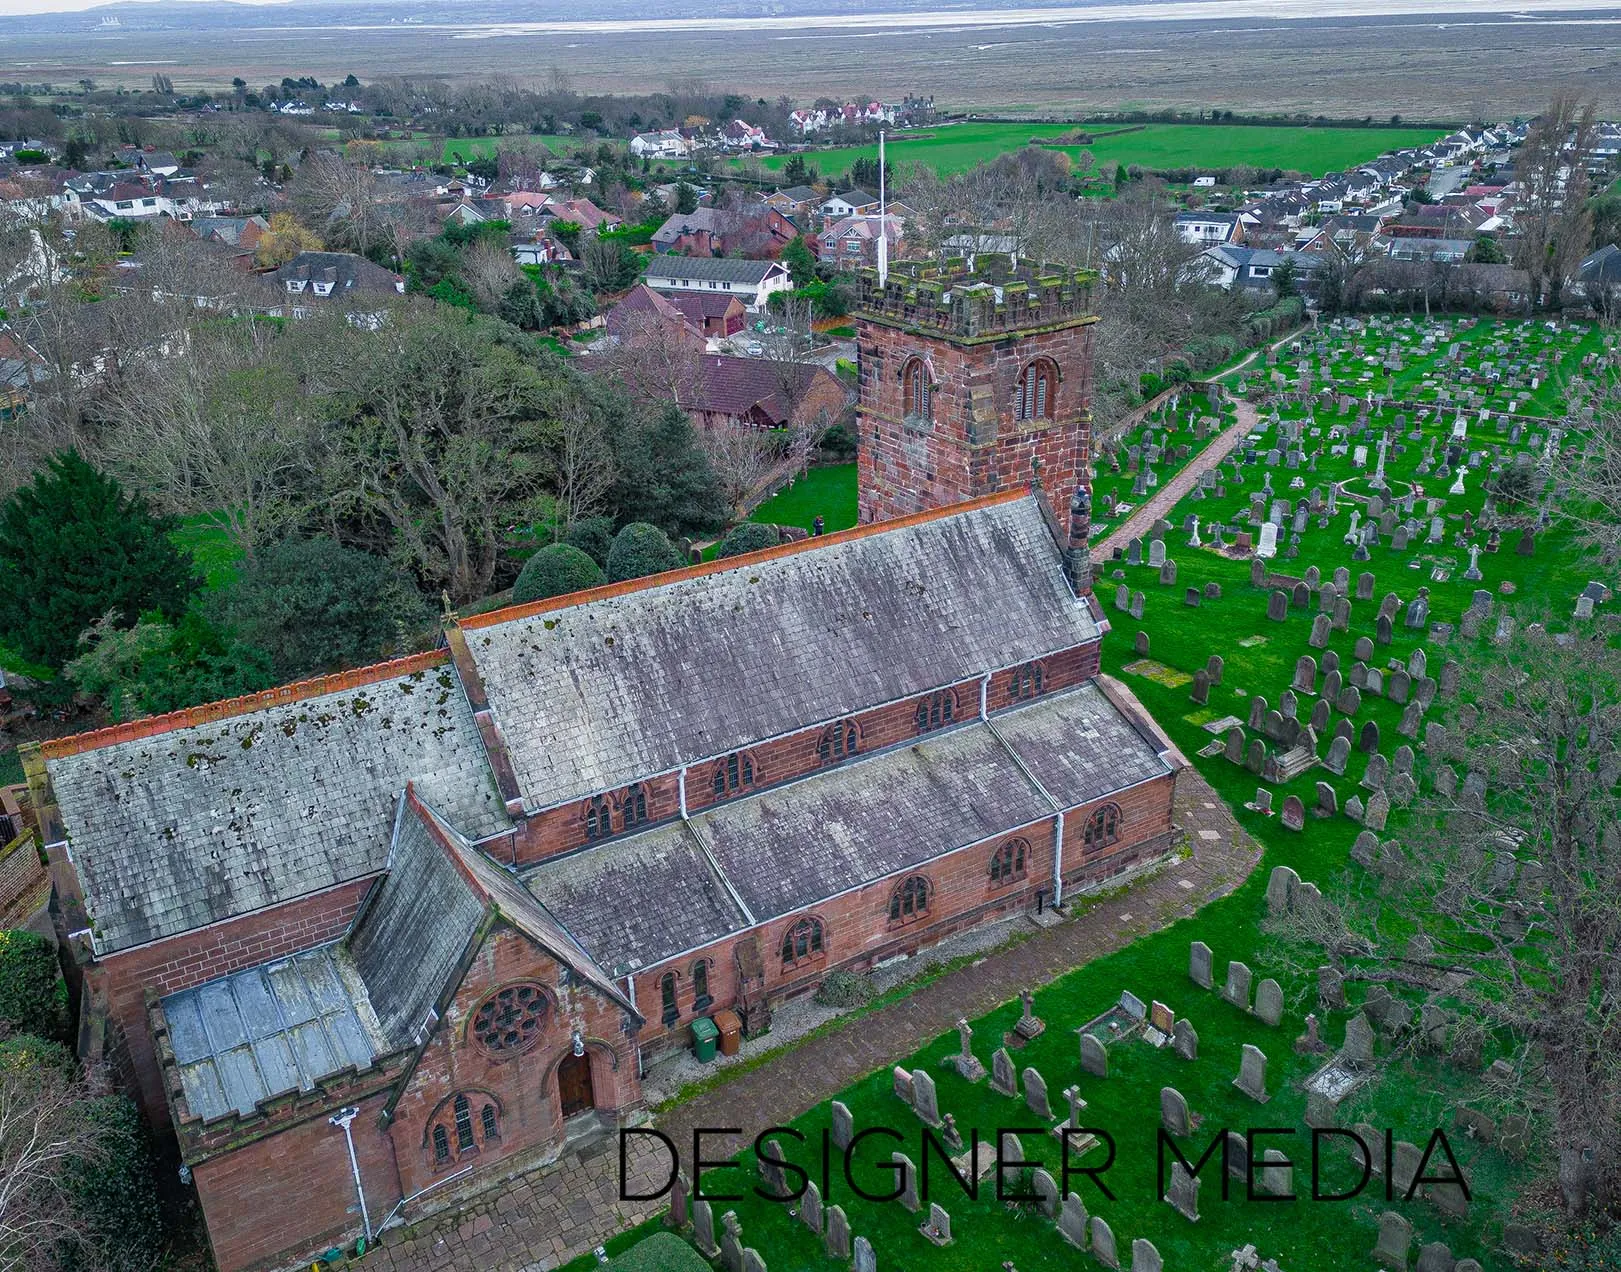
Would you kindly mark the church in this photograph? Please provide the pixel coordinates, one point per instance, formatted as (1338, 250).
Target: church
(368, 942)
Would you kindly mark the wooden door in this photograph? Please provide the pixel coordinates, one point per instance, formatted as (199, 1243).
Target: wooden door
(574, 1085)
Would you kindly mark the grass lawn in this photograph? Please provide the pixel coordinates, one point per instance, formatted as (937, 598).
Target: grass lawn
(829, 491)
(463, 149)
(956, 147)
(211, 548)
(1413, 1092)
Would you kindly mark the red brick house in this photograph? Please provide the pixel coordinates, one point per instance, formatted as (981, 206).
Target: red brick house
(762, 393)
(449, 907)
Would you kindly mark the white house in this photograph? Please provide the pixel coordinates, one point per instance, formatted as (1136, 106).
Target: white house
(752, 282)
(1206, 229)
(660, 145)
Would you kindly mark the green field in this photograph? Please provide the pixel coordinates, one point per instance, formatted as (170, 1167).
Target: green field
(957, 147)
(828, 492)
(463, 149)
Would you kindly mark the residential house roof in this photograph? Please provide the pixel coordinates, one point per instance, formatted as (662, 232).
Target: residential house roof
(697, 221)
(346, 273)
(713, 269)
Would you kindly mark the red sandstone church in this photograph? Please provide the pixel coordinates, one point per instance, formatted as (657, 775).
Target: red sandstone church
(450, 907)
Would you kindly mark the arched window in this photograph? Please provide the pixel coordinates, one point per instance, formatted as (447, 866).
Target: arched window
(919, 391)
(839, 741)
(910, 900)
(1007, 863)
(597, 824)
(701, 1001)
(486, 1118)
(1102, 828)
(803, 941)
(1025, 682)
(1033, 399)
(936, 711)
(441, 1146)
(633, 810)
(734, 773)
(672, 1010)
(464, 1124)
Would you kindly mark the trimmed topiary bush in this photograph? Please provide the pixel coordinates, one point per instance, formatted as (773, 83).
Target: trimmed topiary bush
(555, 570)
(639, 550)
(593, 536)
(748, 537)
(28, 975)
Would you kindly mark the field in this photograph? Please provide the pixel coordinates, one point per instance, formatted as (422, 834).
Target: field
(1446, 372)
(956, 147)
(828, 492)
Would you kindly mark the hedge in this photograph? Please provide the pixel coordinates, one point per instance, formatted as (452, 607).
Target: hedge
(28, 976)
(639, 550)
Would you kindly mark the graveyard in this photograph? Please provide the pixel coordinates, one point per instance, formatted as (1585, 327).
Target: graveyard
(1291, 625)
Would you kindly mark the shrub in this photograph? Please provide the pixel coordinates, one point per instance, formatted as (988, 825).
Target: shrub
(115, 1196)
(593, 536)
(28, 975)
(838, 444)
(639, 550)
(751, 536)
(845, 989)
(30, 1051)
(553, 571)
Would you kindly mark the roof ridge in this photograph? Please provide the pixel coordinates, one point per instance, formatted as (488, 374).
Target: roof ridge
(608, 591)
(228, 708)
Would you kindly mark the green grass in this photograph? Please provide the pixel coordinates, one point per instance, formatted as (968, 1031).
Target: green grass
(957, 147)
(829, 491)
(211, 548)
(463, 149)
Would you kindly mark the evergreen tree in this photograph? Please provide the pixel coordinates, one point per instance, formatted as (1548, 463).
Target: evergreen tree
(751, 536)
(664, 477)
(686, 198)
(639, 550)
(557, 569)
(73, 548)
(797, 257)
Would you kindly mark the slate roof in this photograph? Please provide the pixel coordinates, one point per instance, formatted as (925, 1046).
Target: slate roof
(1080, 746)
(271, 1029)
(415, 928)
(795, 845)
(711, 219)
(199, 822)
(707, 269)
(629, 682)
(634, 901)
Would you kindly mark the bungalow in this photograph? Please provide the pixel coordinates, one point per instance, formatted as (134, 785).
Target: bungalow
(703, 316)
(795, 201)
(761, 393)
(850, 203)
(1253, 269)
(1441, 251)
(752, 282)
(588, 216)
(331, 277)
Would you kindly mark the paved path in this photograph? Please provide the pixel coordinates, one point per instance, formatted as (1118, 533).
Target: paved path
(547, 1217)
(1170, 494)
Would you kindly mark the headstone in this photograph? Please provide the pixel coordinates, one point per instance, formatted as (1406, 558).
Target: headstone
(731, 1242)
(1269, 1001)
(901, 1084)
(1029, 1025)
(1004, 1079)
(1251, 1079)
(680, 1201)
(703, 1230)
(1199, 964)
(1339, 753)
(1046, 1190)
(1035, 1094)
(1185, 1039)
(967, 1064)
(1235, 1151)
(810, 1207)
(1182, 1196)
(1275, 1173)
(1173, 1112)
(937, 1227)
(908, 1174)
(837, 1237)
(1321, 626)
(1103, 1249)
(1237, 989)
(1199, 694)
(865, 1259)
(1357, 1053)
(1094, 1059)
(1072, 1221)
(924, 1100)
(1277, 606)
(1294, 813)
(843, 1126)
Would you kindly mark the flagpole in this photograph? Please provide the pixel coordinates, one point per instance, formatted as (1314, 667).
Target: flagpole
(883, 218)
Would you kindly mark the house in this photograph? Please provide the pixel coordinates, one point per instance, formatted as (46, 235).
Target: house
(322, 278)
(849, 203)
(21, 368)
(455, 903)
(591, 219)
(660, 145)
(716, 317)
(755, 230)
(1252, 268)
(795, 201)
(535, 245)
(701, 232)
(752, 282)
(853, 240)
(233, 231)
(1437, 250)
(763, 393)
(739, 135)
(642, 306)
(1208, 228)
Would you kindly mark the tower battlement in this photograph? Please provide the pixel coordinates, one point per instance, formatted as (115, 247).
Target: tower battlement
(999, 295)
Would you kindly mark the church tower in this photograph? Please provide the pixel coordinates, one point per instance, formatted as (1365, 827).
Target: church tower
(975, 380)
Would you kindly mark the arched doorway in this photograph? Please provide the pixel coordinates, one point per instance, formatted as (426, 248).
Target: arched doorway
(574, 1085)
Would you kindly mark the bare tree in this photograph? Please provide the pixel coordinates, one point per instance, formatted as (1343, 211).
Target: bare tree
(1550, 211)
(44, 1138)
(489, 272)
(582, 465)
(654, 359)
(1595, 503)
(1511, 874)
(742, 456)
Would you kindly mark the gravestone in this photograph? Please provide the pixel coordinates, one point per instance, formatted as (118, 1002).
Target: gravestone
(966, 1063)
(1103, 1248)
(1321, 626)
(1182, 1195)
(703, 1230)
(937, 1227)
(810, 1207)
(1251, 1079)
(1185, 1039)
(680, 1201)
(1144, 1257)
(1269, 1001)
(836, 1239)
(1357, 1052)
(1294, 813)
(1094, 1058)
(1339, 753)
(1215, 668)
(1275, 1173)
(1277, 606)
(1199, 964)
(1029, 1025)
(843, 1126)
(731, 1242)
(1237, 989)
(1199, 694)
(1004, 1079)
(1035, 1094)
(1235, 1151)
(902, 1084)
(1173, 1112)
(908, 1174)
(925, 1103)
(1072, 1221)
(865, 1259)
(1305, 674)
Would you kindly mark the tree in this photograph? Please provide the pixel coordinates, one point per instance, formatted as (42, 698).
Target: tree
(1512, 876)
(1595, 502)
(555, 570)
(593, 536)
(686, 198)
(1550, 212)
(609, 264)
(796, 172)
(639, 550)
(1485, 251)
(28, 981)
(664, 477)
(74, 547)
(317, 606)
(154, 667)
(582, 463)
(750, 536)
(797, 257)
(1284, 284)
